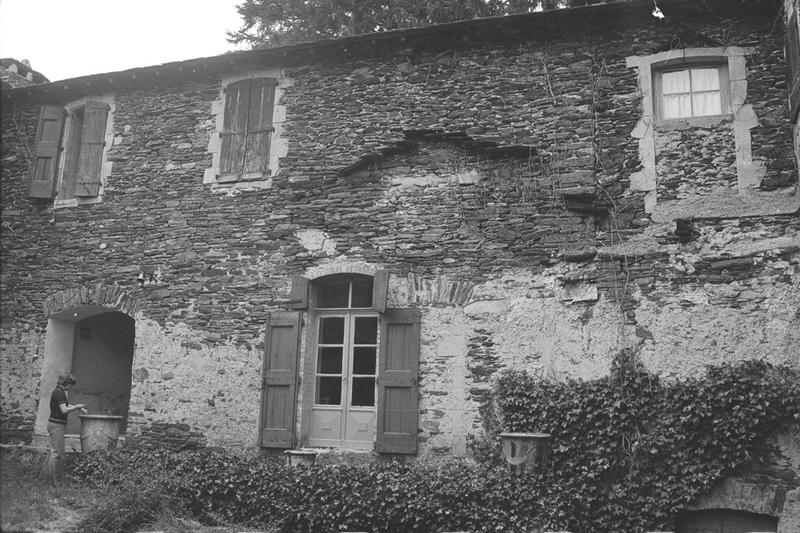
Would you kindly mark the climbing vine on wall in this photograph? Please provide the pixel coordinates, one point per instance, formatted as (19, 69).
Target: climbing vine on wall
(630, 450)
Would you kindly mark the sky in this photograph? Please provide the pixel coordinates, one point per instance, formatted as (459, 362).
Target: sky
(69, 38)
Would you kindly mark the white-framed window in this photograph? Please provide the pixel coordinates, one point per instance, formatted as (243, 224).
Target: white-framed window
(693, 90)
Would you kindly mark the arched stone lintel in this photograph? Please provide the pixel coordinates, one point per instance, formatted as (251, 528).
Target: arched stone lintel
(110, 296)
(346, 268)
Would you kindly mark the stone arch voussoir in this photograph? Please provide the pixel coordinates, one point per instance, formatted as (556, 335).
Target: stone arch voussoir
(111, 296)
(348, 268)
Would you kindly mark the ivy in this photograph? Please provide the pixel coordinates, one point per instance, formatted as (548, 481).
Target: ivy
(630, 450)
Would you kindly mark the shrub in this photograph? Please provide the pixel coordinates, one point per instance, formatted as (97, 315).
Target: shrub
(630, 450)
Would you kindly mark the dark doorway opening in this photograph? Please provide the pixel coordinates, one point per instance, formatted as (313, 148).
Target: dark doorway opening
(102, 359)
(724, 521)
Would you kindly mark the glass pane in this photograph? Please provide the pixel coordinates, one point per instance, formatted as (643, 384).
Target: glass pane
(676, 106)
(329, 391)
(362, 293)
(705, 79)
(707, 104)
(330, 360)
(366, 331)
(363, 392)
(331, 330)
(364, 360)
(675, 82)
(333, 295)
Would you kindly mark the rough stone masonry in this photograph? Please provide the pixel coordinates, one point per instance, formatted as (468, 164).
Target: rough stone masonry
(502, 173)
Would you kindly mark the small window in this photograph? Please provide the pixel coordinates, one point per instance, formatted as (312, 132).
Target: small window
(694, 91)
(345, 293)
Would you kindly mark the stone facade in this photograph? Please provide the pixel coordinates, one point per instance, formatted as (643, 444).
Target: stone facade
(494, 168)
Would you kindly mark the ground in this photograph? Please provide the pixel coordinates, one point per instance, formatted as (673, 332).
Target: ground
(28, 502)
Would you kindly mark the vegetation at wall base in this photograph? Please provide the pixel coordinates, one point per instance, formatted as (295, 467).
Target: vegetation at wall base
(629, 451)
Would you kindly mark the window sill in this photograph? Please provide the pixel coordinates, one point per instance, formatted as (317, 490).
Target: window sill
(706, 121)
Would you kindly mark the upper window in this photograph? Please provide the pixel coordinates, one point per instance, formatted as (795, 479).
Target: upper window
(345, 292)
(691, 91)
(247, 129)
(81, 134)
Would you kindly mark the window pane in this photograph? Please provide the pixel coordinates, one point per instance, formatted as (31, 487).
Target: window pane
(363, 392)
(366, 330)
(331, 330)
(329, 391)
(675, 82)
(329, 360)
(364, 360)
(362, 293)
(705, 79)
(676, 106)
(333, 295)
(707, 104)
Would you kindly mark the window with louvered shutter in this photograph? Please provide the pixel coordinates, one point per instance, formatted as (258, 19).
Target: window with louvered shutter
(90, 157)
(81, 135)
(793, 64)
(247, 129)
(48, 140)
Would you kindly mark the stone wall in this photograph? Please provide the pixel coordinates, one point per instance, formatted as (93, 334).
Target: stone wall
(539, 257)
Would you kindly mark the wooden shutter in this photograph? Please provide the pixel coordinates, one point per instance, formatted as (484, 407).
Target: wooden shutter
(48, 139)
(397, 381)
(380, 286)
(279, 385)
(93, 142)
(234, 129)
(793, 63)
(259, 125)
(298, 297)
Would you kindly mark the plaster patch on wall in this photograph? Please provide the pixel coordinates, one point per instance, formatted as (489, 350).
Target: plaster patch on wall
(316, 241)
(229, 374)
(486, 307)
(721, 324)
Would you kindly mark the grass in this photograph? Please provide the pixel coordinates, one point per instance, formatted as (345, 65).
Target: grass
(29, 502)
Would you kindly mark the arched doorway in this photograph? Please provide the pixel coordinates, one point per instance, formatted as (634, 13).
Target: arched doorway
(94, 343)
(724, 521)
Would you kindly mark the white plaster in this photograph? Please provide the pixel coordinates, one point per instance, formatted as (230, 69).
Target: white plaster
(315, 240)
(579, 292)
(468, 177)
(57, 360)
(724, 202)
(762, 325)
(486, 307)
(229, 374)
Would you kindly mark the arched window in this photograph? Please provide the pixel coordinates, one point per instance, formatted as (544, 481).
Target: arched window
(345, 367)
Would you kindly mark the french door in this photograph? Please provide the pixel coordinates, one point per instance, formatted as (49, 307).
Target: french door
(343, 410)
